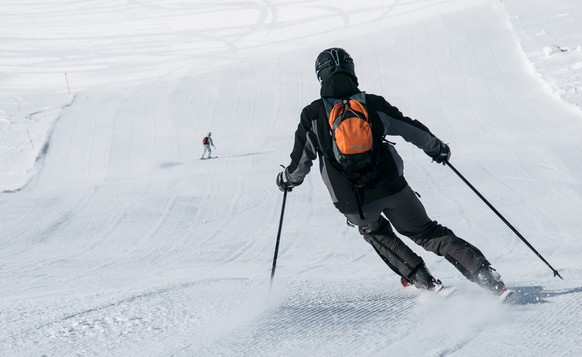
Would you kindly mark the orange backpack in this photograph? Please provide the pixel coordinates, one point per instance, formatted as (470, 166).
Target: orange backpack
(351, 131)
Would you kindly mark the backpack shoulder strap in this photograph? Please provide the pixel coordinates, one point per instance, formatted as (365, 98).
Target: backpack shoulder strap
(320, 127)
(330, 102)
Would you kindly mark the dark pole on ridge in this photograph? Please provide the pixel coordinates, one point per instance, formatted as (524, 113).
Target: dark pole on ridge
(502, 218)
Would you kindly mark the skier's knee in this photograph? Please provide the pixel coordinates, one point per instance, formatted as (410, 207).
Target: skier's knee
(379, 227)
(435, 230)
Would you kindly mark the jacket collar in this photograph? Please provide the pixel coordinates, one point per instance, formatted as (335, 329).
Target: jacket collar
(340, 85)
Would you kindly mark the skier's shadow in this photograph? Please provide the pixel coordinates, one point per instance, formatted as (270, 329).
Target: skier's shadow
(249, 154)
(170, 164)
(528, 295)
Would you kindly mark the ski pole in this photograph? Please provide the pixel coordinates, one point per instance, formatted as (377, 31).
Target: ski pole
(503, 219)
(278, 239)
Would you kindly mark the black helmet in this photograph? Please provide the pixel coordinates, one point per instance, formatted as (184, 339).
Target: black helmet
(332, 61)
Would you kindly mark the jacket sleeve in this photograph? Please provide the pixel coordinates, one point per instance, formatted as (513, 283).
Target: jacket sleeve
(305, 149)
(413, 131)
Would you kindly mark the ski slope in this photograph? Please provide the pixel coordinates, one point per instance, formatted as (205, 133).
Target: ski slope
(117, 240)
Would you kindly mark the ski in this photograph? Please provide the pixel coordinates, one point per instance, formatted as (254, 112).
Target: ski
(447, 291)
(505, 296)
(444, 291)
(439, 289)
(440, 293)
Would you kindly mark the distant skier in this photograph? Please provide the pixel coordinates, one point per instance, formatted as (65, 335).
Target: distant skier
(363, 173)
(207, 143)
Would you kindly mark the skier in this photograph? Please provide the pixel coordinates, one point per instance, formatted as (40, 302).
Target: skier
(362, 195)
(207, 142)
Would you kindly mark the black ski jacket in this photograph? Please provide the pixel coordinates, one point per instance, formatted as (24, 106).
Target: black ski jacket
(313, 140)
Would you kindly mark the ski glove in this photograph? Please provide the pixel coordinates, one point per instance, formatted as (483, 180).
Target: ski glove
(283, 182)
(443, 156)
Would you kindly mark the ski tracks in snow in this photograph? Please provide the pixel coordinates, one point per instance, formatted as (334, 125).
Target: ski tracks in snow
(108, 318)
(318, 316)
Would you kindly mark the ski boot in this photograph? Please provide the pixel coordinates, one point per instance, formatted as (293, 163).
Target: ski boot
(490, 279)
(422, 279)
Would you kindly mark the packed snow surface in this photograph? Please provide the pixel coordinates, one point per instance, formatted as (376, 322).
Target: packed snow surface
(117, 240)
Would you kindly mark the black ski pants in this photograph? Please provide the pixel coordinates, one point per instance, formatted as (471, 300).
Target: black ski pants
(408, 216)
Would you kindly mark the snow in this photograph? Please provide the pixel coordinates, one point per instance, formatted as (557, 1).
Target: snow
(549, 35)
(117, 240)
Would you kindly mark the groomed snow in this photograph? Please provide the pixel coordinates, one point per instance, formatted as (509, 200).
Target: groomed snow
(117, 240)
